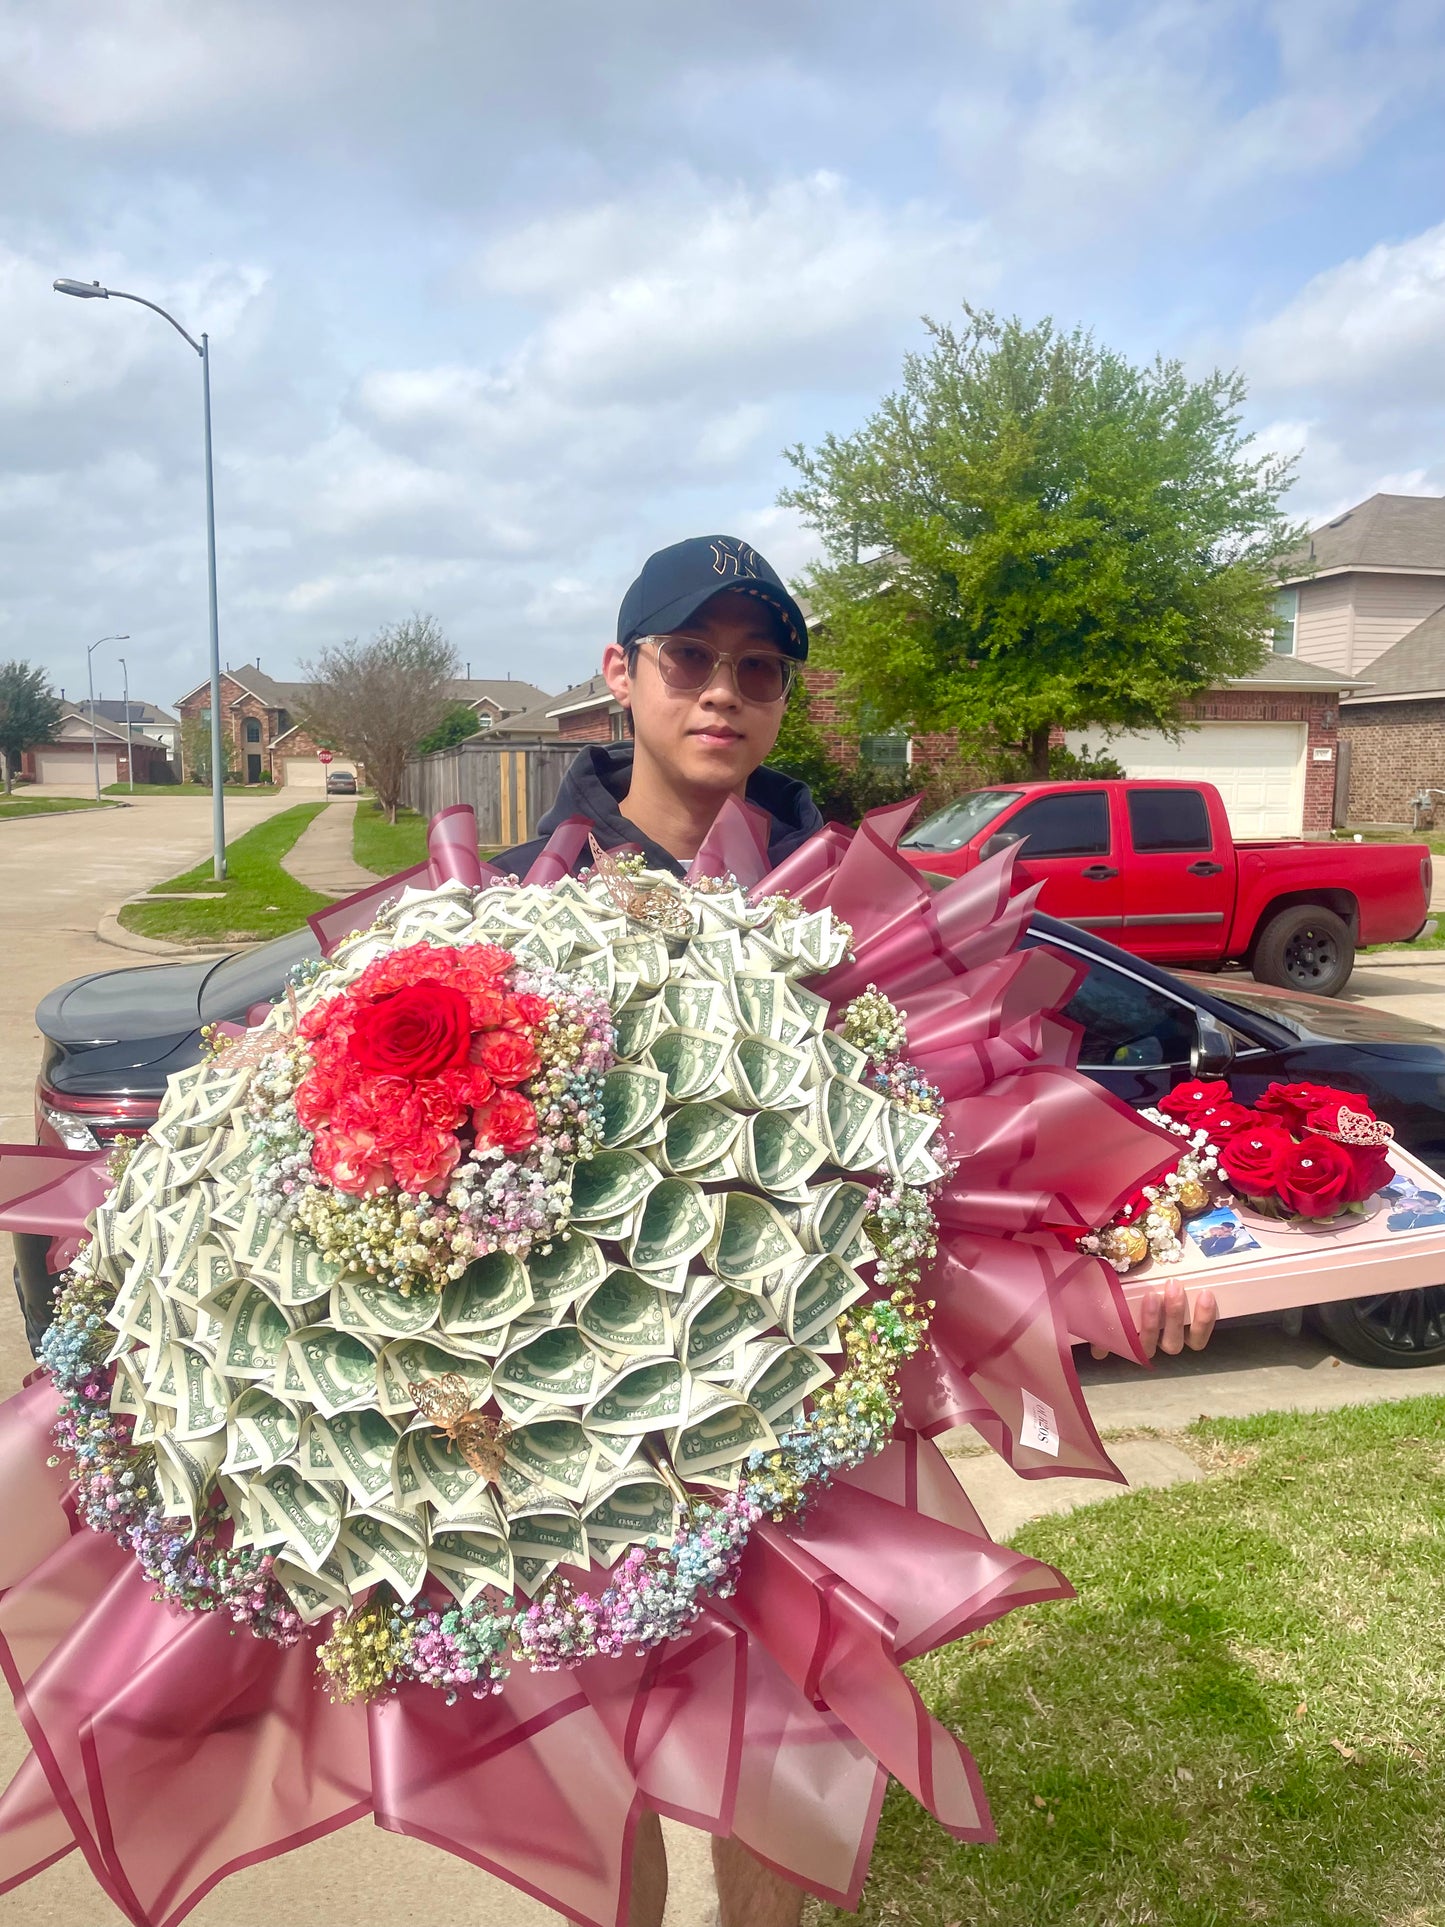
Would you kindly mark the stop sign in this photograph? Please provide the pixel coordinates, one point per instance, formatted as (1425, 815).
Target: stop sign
(323, 755)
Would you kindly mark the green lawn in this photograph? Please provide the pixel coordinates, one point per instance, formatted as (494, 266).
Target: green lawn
(1240, 1719)
(45, 805)
(261, 899)
(387, 847)
(169, 789)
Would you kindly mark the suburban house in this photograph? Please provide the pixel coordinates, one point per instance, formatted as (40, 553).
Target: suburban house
(158, 724)
(72, 757)
(1369, 600)
(588, 712)
(268, 744)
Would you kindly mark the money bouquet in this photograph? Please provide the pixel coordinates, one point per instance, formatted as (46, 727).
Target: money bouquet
(561, 1284)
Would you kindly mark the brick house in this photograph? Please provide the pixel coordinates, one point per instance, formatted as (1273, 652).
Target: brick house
(1370, 601)
(1268, 742)
(586, 713)
(72, 758)
(258, 716)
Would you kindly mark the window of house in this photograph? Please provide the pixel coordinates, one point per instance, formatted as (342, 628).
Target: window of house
(253, 730)
(890, 751)
(485, 719)
(1074, 824)
(619, 726)
(1162, 820)
(1286, 615)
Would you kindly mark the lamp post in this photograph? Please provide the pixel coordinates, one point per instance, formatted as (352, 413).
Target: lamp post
(93, 291)
(129, 743)
(90, 686)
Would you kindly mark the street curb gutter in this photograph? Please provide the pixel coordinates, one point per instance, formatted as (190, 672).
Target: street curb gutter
(109, 931)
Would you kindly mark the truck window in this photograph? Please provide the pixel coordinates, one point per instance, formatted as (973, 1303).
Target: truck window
(1128, 1022)
(1161, 820)
(958, 823)
(1070, 825)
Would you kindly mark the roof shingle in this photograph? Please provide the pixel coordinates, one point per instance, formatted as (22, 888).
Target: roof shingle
(1386, 532)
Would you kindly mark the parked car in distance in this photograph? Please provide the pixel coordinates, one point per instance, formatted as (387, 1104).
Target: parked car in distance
(1154, 867)
(340, 782)
(111, 1040)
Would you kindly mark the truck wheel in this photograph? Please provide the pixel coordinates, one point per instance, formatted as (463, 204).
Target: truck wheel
(1399, 1328)
(1305, 948)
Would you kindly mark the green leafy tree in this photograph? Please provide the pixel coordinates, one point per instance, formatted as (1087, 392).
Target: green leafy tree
(459, 722)
(196, 751)
(1033, 533)
(376, 700)
(29, 714)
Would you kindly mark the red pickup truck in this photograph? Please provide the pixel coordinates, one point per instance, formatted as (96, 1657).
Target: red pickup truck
(1153, 867)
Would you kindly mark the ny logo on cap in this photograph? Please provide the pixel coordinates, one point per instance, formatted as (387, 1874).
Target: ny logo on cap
(733, 558)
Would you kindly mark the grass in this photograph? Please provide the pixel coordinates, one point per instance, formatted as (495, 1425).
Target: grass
(261, 899)
(44, 805)
(176, 789)
(1240, 1719)
(386, 847)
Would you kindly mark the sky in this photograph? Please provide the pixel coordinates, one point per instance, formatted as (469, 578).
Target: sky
(502, 298)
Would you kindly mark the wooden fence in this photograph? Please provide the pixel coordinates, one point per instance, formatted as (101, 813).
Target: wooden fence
(508, 784)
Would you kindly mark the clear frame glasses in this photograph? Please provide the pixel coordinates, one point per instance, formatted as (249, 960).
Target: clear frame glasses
(687, 662)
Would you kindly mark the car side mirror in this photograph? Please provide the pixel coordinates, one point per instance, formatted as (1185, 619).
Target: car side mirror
(1213, 1051)
(1000, 840)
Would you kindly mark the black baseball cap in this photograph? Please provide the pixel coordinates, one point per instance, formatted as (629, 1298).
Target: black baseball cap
(677, 581)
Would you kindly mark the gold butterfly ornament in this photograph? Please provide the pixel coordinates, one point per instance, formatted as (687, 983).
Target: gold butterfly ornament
(480, 1439)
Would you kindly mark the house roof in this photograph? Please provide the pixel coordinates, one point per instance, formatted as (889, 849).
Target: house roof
(1391, 532)
(527, 722)
(1288, 672)
(1414, 666)
(107, 711)
(592, 694)
(507, 692)
(275, 695)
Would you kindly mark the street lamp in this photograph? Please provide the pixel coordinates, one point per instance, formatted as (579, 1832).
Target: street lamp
(93, 291)
(125, 704)
(90, 686)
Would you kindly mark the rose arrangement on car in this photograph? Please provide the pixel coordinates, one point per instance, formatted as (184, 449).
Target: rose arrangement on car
(1302, 1153)
(532, 1233)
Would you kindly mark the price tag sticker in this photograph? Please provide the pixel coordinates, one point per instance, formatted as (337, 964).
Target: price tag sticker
(1040, 1427)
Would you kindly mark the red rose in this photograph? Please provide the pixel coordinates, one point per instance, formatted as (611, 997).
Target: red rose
(1185, 1099)
(412, 1033)
(1371, 1170)
(1251, 1159)
(1292, 1103)
(507, 1121)
(507, 1056)
(1315, 1179)
(1225, 1120)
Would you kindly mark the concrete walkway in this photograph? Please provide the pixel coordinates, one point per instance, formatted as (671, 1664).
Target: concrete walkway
(321, 856)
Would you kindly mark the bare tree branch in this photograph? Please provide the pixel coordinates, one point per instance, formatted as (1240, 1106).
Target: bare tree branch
(374, 700)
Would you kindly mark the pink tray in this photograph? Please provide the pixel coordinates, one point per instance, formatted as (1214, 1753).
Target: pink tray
(1279, 1268)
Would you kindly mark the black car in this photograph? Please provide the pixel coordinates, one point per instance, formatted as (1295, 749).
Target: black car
(113, 1039)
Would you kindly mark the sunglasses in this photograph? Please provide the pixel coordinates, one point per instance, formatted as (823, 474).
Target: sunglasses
(687, 662)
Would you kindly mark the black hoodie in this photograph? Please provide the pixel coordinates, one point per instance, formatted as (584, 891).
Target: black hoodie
(601, 775)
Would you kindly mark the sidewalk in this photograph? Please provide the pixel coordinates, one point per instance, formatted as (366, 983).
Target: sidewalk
(321, 856)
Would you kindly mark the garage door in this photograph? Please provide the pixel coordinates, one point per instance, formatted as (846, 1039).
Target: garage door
(77, 772)
(1258, 768)
(305, 773)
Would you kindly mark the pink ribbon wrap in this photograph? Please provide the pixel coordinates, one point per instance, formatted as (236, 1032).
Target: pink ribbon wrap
(170, 1752)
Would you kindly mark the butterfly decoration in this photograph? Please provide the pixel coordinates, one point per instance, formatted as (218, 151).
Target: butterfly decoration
(659, 906)
(1353, 1127)
(480, 1439)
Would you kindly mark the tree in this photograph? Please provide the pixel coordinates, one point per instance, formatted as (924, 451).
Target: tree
(376, 700)
(459, 722)
(196, 751)
(29, 713)
(1032, 533)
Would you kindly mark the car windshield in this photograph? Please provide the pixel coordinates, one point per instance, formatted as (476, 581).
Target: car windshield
(254, 976)
(958, 823)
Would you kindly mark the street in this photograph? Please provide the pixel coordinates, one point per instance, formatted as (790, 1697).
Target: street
(60, 874)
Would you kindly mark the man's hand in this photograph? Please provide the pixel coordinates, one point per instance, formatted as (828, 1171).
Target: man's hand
(1165, 1322)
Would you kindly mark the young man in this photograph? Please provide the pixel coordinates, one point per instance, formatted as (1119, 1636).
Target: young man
(708, 643)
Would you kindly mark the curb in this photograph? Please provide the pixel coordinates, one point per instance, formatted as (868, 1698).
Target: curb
(44, 816)
(1429, 959)
(109, 931)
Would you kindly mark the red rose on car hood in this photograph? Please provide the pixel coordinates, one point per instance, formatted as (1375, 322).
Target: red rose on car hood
(1316, 1178)
(1185, 1099)
(1251, 1159)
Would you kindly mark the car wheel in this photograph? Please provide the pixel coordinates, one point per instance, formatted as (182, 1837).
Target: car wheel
(1305, 948)
(1399, 1328)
